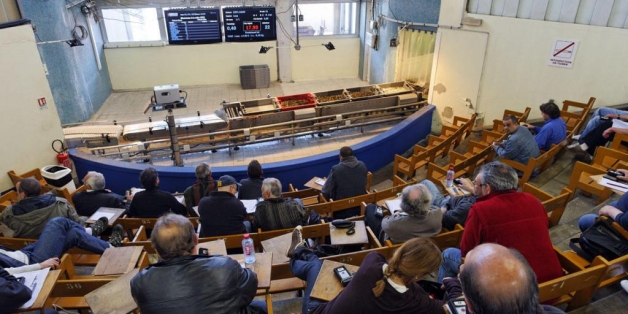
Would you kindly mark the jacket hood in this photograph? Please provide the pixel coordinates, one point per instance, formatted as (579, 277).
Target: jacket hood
(350, 161)
(30, 204)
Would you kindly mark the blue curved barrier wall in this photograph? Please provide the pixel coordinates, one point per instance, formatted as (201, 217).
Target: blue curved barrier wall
(376, 153)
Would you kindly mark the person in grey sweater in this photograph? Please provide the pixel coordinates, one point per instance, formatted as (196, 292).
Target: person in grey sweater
(520, 145)
(417, 217)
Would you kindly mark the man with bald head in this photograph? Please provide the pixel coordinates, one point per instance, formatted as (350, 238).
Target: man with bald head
(498, 280)
(184, 282)
(502, 215)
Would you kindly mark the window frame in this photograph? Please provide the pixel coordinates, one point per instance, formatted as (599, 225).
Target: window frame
(162, 26)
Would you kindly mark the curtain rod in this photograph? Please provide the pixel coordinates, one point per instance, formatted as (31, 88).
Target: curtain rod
(417, 24)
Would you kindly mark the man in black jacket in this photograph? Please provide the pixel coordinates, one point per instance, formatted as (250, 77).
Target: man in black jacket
(188, 283)
(12, 293)
(221, 212)
(346, 179)
(96, 196)
(153, 202)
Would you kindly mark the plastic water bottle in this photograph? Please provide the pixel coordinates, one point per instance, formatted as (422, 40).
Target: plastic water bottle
(249, 249)
(450, 177)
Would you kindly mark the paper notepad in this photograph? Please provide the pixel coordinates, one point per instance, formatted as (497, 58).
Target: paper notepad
(34, 280)
(393, 205)
(613, 185)
(320, 181)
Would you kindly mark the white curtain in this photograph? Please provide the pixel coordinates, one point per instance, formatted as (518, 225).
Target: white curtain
(415, 52)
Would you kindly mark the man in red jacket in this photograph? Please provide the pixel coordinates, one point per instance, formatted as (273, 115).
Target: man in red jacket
(504, 216)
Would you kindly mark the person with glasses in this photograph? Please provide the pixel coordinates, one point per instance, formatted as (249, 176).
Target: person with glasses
(504, 216)
(520, 145)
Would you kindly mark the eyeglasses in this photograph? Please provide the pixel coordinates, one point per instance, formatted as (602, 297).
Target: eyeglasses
(479, 184)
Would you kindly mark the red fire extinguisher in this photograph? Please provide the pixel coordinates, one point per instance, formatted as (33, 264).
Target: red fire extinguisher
(63, 159)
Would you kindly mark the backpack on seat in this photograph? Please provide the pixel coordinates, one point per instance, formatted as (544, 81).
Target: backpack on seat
(600, 239)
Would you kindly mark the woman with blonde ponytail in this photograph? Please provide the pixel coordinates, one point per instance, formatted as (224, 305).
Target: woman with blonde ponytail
(378, 286)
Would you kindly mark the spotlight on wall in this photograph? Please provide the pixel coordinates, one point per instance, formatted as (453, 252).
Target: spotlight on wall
(74, 42)
(264, 49)
(329, 46)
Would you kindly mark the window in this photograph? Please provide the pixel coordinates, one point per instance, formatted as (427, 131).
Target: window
(126, 25)
(327, 19)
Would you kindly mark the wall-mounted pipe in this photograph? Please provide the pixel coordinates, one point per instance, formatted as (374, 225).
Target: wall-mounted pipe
(93, 40)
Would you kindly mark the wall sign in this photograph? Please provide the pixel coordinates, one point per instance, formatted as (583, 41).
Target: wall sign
(563, 53)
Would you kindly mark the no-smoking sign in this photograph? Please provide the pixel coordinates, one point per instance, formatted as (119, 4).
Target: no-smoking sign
(563, 53)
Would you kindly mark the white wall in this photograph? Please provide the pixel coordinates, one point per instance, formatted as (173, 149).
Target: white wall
(516, 74)
(28, 131)
(316, 63)
(145, 67)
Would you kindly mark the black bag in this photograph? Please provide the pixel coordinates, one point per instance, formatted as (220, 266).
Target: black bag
(600, 239)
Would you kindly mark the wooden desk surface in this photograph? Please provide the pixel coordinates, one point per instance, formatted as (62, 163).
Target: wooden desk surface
(456, 190)
(312, 184)
(117, 212)
(262, 267)
(215, 247)
(118, 260)
(278, 246)
(327, 285)
(40, 302)
(114, 297)
(340, 237)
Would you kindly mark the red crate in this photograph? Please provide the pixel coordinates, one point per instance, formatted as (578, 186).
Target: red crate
(305, 101)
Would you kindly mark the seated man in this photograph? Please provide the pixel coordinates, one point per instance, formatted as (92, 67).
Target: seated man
(553, 131)
(615, 210)
(498, 280)
(417, 217)
(507, 217)
(221, 212)
(202, 187)
(152, 202)
(251, 188)
(13, 294)
(28, 217)
(455, 209)
(184, 282)
(600, 116)
(598, 132)
(96, 196)
(276, 212)
(346, 179)
(520, 145)
(379, 286)
(59, 235)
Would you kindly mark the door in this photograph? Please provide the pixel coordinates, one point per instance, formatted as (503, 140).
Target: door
(456, 74)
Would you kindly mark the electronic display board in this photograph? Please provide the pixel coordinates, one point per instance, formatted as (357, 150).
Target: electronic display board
(193, 26)
(245, 24)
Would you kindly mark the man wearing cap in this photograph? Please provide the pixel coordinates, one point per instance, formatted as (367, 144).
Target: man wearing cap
(221, 213)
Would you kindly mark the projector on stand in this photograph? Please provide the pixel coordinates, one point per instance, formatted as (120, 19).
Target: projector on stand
(168, 97)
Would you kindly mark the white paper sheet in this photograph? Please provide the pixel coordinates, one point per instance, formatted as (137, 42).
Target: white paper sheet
(34, 281)
(393, 205)
(620, 124)
(613, 185)
(250, 206)
(320, 181)
(99, 214)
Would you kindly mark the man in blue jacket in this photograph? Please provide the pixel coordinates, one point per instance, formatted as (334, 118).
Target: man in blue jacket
(615, 210)
(554, 131)
(520, 145)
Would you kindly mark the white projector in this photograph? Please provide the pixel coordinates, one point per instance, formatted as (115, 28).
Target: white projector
(166, 94)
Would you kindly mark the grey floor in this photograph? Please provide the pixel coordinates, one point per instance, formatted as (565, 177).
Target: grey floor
(128, 106)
